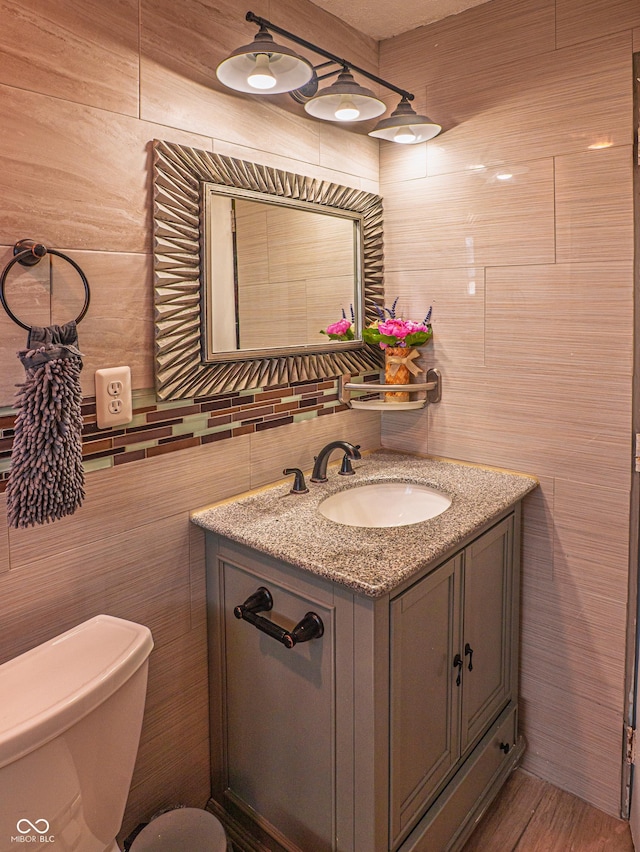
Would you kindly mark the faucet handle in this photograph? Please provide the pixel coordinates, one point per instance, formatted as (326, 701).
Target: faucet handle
(346, 468)
(299, 485)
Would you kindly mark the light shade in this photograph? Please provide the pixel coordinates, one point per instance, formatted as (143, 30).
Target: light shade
(264, 67)
(405, 126)
(345, 100)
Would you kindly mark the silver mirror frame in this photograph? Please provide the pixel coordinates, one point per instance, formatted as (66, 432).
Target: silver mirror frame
(180, 367)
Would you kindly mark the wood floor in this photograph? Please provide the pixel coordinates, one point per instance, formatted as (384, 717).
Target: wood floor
(530, 815)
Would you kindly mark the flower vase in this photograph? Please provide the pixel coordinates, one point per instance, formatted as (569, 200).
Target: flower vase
(396, 371)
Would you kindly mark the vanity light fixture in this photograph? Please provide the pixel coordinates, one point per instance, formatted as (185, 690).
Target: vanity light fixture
(265, 67)
(345, 100)
(405, 126)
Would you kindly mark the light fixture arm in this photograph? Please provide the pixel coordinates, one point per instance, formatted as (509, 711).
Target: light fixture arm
(262, 22)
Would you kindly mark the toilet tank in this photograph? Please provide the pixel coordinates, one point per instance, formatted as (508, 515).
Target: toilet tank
(70, 718)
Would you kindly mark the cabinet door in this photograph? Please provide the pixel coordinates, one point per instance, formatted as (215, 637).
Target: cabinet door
(425, 636)
(486, 649)
(279, 711)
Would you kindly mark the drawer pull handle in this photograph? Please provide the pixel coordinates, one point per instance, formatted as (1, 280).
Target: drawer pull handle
(505, 747)
(457, 663)
(309, 627)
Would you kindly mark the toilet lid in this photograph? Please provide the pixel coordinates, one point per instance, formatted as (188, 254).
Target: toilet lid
(182, 828)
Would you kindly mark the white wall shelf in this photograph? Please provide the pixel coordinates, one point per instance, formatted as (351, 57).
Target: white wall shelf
(429, 391)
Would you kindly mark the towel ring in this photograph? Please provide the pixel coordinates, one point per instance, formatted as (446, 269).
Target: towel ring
(28, 253)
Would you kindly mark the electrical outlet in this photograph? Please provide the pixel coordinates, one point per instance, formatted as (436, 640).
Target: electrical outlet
(113, 397)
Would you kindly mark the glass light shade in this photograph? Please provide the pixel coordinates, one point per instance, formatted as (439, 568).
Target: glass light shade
(252, 66)
(343, 99)
(404, 125)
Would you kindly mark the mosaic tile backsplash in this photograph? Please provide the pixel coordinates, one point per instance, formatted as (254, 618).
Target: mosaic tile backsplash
(164, 427)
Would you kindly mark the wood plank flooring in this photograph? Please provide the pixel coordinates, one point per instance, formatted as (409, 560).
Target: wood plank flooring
(530, 815)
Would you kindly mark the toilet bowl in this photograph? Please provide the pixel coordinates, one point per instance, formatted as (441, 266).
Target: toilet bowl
(70, 719)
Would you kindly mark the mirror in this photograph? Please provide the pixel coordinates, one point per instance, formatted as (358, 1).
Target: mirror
(250, 263)
(276, 273)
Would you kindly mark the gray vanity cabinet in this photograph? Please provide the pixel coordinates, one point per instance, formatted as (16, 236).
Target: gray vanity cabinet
(383, 735)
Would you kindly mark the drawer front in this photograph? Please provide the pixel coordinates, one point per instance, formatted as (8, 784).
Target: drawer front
(449, 815)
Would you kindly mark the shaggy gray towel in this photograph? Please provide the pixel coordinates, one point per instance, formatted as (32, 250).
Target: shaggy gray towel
(46, 478)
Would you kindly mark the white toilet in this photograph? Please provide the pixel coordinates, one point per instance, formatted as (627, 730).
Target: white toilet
(70, 719)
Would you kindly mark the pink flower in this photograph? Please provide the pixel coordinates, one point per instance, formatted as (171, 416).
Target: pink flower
(340, 327)
(413, 327)
(395, 328)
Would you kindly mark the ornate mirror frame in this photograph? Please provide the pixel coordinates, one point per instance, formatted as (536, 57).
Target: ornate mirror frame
(180, 367)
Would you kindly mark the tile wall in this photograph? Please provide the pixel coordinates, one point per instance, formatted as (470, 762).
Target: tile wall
(531, 279)
(84, 88)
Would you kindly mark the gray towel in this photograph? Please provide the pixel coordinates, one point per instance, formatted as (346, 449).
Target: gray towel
(46, 478)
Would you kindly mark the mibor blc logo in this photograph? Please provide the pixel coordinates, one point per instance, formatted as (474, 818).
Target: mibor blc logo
(33, 832)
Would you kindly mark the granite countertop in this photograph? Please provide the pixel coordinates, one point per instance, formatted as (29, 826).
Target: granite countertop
(370, 561)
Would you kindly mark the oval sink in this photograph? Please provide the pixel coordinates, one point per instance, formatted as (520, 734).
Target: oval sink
(384, 504)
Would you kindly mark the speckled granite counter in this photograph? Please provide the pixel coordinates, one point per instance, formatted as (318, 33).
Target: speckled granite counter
(369, 561)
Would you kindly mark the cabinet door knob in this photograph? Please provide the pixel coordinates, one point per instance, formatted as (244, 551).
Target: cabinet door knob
(457, 663)
(505, 747)
(468, 652)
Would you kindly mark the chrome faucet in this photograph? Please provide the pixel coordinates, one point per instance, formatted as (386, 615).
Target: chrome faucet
(320, 467)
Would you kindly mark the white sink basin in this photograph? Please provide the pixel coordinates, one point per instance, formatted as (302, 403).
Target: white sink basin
(384, 504)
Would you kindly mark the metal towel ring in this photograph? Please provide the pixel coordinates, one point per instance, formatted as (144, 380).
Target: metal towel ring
(28, 253)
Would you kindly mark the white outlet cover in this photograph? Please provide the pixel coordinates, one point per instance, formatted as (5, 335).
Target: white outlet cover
(109, 415)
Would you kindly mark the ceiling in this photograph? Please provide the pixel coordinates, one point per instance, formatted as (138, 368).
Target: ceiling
(382, 19)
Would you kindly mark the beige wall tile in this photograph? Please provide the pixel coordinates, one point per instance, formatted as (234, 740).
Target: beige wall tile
(536, 422)
(94, 179)
(588, 627)
(569, 317)
(558, 102)
(91, 179)
(145, 579)
(406, 431)
(288, 164)
(197, 576)
(577, 743)
(470, 42)
(403, 162)
(349, 152)
(118, 328)
(538, 532)
(592, 540)
(583, 20)
(131, 496)
(594, 205)
(77, 51)
(172, 766)
(470, 219)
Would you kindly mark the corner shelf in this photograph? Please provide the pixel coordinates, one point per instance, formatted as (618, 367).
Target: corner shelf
(430, 391)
